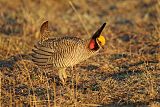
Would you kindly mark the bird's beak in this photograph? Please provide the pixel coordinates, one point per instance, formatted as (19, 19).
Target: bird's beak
(98, 32)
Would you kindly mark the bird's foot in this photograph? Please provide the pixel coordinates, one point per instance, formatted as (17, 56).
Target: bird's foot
(62, 76)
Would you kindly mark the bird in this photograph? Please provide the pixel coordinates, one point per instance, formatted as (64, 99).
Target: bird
(62, 52)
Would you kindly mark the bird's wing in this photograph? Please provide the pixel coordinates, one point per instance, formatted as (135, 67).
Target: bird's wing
(52, 52)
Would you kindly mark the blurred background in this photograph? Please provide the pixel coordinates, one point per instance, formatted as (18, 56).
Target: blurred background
(126, 72)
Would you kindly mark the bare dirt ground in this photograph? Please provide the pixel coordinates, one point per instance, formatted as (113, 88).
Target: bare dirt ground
(126, 73)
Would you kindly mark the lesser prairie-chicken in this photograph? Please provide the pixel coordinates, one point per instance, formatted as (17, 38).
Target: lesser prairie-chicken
(62, 52)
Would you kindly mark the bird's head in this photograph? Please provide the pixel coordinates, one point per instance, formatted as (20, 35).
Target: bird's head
(97, 41)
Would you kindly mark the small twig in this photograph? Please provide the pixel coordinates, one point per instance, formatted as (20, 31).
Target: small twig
(79, 16)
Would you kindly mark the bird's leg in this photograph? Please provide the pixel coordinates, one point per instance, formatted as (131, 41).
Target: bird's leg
(62, 75)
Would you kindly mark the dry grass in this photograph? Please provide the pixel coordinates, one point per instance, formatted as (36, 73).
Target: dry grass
(125, 73)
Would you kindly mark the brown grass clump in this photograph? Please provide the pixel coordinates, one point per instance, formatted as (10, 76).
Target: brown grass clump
(125, 73)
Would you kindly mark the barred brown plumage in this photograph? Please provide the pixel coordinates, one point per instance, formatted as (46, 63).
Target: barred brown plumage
(62, 52)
